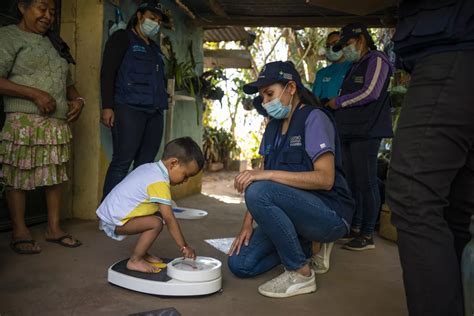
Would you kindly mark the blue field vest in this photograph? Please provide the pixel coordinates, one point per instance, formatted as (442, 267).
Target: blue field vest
(290, 155)
(140, 81)
(372, 120)
(426, 27)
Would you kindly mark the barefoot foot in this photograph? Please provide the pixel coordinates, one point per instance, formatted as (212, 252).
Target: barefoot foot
(153, 259)
(141, 265)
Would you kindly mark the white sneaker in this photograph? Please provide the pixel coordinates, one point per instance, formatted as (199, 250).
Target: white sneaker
(320, 261)
(289, 283)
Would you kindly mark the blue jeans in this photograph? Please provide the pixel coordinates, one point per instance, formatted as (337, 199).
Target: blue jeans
(288, 220)
(136, 137)
(360, 166)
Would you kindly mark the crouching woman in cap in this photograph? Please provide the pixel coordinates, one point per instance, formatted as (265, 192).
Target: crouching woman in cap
(300, 196)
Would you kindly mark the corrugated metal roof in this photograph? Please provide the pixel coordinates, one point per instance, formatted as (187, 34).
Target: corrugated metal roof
(226, 34)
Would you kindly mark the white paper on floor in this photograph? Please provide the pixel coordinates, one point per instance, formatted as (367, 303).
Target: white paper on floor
(221, 244)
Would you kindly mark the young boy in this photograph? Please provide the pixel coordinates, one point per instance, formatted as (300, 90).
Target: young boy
(141, 203)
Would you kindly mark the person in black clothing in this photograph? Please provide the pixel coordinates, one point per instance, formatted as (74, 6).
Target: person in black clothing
(134, 94)
(430, 187)
(362, 112)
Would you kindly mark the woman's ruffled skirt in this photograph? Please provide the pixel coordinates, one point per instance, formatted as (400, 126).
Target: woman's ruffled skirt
(34, 151)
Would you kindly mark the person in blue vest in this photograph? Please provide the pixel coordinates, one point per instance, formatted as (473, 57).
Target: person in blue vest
(329, 79)
(299, 196)
(134, 96)
(363, 118)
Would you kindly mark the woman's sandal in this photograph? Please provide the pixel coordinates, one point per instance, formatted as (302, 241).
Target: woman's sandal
(61, 241)
(15, 243)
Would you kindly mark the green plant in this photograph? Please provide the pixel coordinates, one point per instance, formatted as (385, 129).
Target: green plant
(219, 145)
(209, 82)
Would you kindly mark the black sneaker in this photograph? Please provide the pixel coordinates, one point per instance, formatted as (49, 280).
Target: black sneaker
(360, 243)
(353, 234)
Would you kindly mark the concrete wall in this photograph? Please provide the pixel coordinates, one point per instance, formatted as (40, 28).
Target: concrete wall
(79, 22)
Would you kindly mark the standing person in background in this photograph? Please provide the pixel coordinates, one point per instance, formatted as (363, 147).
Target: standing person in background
(329, 79)
(363, 118)
(430, 187)
(327, 85)
(40, 103)
(134, 93)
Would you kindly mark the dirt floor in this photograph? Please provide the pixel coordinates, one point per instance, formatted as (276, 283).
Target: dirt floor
(62, 281)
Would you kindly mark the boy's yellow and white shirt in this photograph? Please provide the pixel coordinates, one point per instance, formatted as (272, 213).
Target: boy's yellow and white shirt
(137, 195)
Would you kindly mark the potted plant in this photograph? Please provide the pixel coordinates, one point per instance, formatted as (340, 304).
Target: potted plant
(219, 146)
(209, 84)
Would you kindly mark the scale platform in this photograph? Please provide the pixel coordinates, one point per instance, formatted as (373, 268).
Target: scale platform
(182, 277)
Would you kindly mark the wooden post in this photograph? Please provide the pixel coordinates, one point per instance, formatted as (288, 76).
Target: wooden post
(169, 112)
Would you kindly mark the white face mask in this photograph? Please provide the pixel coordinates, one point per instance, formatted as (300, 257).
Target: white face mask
(276, 109)
(149, 27)
(351, 53)
(333, 56)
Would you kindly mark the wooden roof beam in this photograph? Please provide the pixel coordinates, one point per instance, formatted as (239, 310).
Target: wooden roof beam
(316, 21)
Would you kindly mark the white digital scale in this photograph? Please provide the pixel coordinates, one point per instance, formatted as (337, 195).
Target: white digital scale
(181, 277)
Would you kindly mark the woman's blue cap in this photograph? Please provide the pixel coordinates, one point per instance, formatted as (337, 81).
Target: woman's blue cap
(278, 71)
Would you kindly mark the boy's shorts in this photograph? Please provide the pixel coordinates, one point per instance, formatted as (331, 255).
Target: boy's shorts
(109, 229)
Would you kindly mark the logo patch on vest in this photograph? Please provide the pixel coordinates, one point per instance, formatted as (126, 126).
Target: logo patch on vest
(358, 79)
(138, 48)
(326, 79)
(295, 141)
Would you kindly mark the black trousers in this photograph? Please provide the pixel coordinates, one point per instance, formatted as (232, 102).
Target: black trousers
(360, 166)
(430, 186)
(136, 137)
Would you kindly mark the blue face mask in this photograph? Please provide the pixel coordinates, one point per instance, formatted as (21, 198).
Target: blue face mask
(333, 56)
(351, 53)
(149, 28)
(276, 109)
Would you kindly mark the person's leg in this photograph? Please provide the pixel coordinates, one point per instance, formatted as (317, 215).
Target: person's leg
(461, 205)
(349, 170)
(149, 227)
(151, 140)
(16, 205)
(364, 155)
(431, 146)
(284, 214)
(258, 257)
(127, 133)
(53, 202)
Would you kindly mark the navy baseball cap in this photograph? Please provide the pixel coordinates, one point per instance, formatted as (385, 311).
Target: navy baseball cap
(154, 6)
(353, 30)
(278, 71)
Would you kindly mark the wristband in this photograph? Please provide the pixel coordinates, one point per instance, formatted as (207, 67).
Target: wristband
(182, 248)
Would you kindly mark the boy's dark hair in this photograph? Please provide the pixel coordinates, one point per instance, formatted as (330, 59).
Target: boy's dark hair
(185, 150)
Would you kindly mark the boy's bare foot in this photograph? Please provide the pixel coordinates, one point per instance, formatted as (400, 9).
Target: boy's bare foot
(141, 265)
(152, 258)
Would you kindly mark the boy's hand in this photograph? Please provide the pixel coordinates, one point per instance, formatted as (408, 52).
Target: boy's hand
(188, 252)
